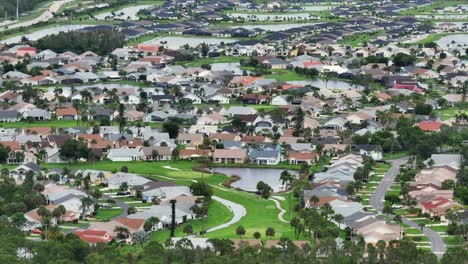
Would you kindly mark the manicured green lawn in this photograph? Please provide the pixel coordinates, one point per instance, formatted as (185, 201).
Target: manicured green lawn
(107, 214)
(429, 8)
(396, 155)
(221, 59)
(358, 39)
(413, 231)
(261, 213)
(217, 214)
(453, 240)
(284, 75)
(439, 228)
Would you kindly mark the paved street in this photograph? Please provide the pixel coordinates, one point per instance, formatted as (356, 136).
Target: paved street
(377, 198)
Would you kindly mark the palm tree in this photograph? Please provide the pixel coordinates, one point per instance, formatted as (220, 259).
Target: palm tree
(339, 219)
(86, 203)
(122, 232)
(240, 231)
(288, 179)
(270, 232)
(150, 223)
(314, 199)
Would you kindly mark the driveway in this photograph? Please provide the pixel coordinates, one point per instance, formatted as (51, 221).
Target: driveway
(377, 202)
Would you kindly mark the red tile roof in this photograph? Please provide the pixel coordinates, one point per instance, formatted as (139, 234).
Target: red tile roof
(429, 125)
(66, 111)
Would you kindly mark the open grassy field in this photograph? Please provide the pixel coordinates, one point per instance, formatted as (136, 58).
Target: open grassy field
(430, 8)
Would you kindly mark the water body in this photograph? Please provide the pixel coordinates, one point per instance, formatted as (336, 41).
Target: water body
(249, 177)
(127, 13)
(43, 33)
(177, 42)
(460, 41)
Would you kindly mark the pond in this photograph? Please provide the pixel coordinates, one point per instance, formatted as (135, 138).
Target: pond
(43, 32)
(177, 42)
(455, 41)
(127, 13)
(249, 177)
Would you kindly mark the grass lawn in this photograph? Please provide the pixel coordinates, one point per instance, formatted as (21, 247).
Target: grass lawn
(399, 211)
(358, 39)
(438, 228)
(413, 231)
(419, 238)
(396, 155)
(449, 113)
(106, 214)
(261, 213)
(425, 221)
(221, 59)
(453, 240)
(375, 178)
(429, 8)
(217, 214)
(284, 75)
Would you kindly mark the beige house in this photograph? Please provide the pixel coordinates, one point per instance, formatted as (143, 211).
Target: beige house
(229, 156)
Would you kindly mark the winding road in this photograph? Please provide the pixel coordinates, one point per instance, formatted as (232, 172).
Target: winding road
(376, 200)
(48, 14)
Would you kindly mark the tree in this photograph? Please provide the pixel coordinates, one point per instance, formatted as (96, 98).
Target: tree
(402, 60)
(201, 188)
(399, 220)
(150, 223)
(173, 216)
(314, 199)
(448, 185)
(122, 232)
(270, 232)
(264, 189)
(74, 150)
(257, 235)
(188, 230)
(140, 237)
(339, 219)
(240, 231)
(131, 210)
(172, 128)
(288, 179)
(387, 209)
(86, 203)
(298, 122)
(4, 154)
(123, 187)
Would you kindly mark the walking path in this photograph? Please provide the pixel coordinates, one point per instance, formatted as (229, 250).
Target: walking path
(376, 200)
(282, 211)
(238, 210)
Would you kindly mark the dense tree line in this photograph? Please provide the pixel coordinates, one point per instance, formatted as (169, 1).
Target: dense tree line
(8, 7)
(101, 41)
(70, 249)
